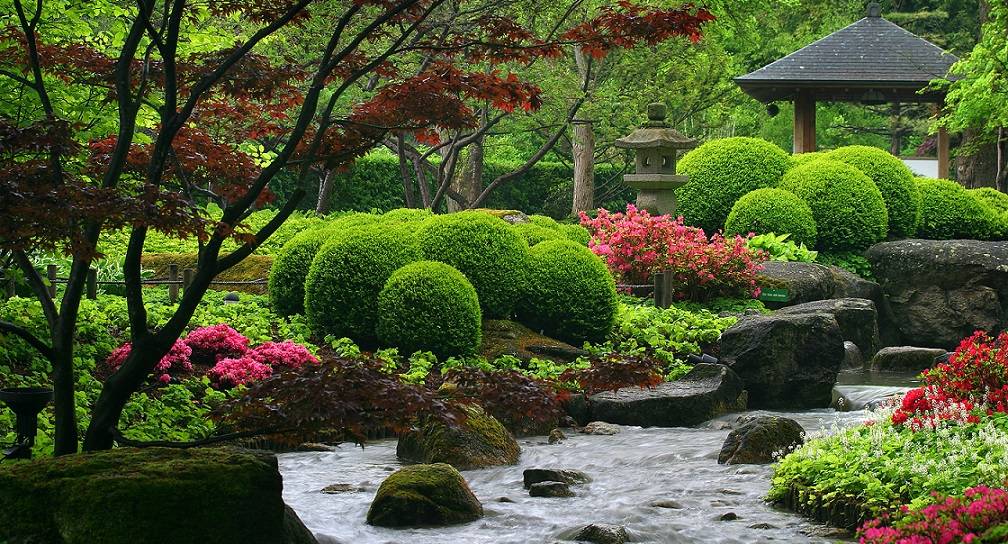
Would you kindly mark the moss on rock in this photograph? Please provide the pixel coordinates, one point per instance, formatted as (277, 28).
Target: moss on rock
(480, 441)
(424, 495)
(151, 495)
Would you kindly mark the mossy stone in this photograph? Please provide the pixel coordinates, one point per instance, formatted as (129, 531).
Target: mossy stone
(480, 441)
(152, 495)
(424, 496)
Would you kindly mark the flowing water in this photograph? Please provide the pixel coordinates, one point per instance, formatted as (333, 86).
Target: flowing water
(631, 471)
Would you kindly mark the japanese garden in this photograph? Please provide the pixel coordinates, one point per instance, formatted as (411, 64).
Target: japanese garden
(474, 271)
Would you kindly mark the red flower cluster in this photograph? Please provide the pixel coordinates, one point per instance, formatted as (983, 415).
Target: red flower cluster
(176, 360)
(976, 374)
(637, 244)
(978, 516)
(212, 344)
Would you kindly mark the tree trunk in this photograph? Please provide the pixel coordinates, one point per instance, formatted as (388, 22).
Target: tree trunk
(583, 146)
(895, 130)
(325, 193)
(470, 182)
(64, 401)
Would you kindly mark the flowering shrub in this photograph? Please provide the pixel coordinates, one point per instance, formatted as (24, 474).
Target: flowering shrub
(177, 360)
(212, 344)
(975, 377)
(231, 372)
(286, 354)
(637, 244)
(980, 515)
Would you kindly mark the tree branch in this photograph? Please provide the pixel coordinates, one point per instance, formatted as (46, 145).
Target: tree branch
(27, 336)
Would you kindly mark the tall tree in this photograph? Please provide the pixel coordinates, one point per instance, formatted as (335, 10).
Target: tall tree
(197, 120)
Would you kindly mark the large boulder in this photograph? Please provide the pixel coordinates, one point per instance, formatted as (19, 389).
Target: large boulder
(903, 358)
(760, 439)
(151, 495)
(480, 441)
(857, 318)
(502, 337)
(706, 392)
(808, 282)
(785, 360)
(940, 291)
(563, 475)
(424, 496)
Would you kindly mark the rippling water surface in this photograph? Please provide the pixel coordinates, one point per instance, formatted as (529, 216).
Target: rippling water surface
(630, 471)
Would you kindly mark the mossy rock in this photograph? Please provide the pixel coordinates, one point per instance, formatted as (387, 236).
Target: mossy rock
(251, 268)
(503, 337)
(480, 441)
(152, 495)
(424, 496)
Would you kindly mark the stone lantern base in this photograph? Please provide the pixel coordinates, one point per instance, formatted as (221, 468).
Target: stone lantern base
(656, 192)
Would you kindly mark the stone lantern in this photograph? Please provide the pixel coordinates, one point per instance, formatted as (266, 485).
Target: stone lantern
(656, 147)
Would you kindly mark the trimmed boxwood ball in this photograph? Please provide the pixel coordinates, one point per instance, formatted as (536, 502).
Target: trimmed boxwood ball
(773, 210)
(799, 159)
(405, 215)
(893, 179)
(534, 233)
(576, 233)
(341, 291)
(290, 269)
(430, 306)
(720, 172)
(544, 221)
(950, 211)
(993, 197)
(570, 295)
(847, 207)
(487, 250)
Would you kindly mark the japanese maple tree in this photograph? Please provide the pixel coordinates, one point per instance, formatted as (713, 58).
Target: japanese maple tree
(137, 114)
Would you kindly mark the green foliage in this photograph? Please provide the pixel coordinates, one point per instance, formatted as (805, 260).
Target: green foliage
(848, 208)
(346, 276)
(850, 261)
(802, 158)
(533, 233)
(720, 172)
(779, 248)
(893, 179)
(994, 198)
(882, 467)
(951, 212)
(576, 233)
(429, 306)
(772, 210)
(570, 294)
(486, 250)
(290, 270)
(405, 215)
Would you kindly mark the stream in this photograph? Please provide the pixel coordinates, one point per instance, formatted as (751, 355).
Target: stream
(631, 471)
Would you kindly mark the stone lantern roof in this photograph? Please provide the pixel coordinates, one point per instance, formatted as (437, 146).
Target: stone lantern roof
(655, 133)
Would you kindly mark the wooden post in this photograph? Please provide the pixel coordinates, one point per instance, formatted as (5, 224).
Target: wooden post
(51, 276)
(659, 288)
(187, 277)
(804, 122)
(667, 291)
(92, 284)
(943, 153)
(173, 287)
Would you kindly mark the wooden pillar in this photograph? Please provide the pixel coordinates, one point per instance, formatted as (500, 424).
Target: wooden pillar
(943, 153)
(804, 122)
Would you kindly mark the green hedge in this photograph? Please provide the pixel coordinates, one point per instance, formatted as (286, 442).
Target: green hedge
(720, 172)
(570, 294)
(773, 210)
(949, 211)
(993, 197)
(894, 180)
(374, 182)
(847, 206)
(429, 306)
(490, 253)
(344, 280)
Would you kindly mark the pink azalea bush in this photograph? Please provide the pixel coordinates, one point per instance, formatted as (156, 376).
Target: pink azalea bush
(979, 516)
(232, 372)
(212, 344)
(285, 354)
(637, 244)
(176, 360)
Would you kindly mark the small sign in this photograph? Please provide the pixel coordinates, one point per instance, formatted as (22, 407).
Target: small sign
(774, 295)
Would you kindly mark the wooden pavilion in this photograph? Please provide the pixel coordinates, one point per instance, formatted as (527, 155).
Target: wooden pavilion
(872, 61)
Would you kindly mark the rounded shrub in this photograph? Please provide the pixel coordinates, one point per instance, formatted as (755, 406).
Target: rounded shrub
(290, 270)
(950, 211)
(533, 234)
(894, 180)
(352, 219)
(544, 221)
(429, 306)
(847, 207)
(346, 276)
(405, 215)
(720, 172)
(772, 210)
(576, 233)
(799, 159)
(993, 197)
(570, 294)
(487, 250)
